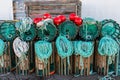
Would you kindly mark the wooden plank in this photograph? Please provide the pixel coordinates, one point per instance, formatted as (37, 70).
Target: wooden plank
(52, 7)
(101, 62)
(50, 1)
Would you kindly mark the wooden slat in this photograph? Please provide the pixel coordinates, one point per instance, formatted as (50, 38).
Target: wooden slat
(50, 1)
(86, 67)
(101, 62)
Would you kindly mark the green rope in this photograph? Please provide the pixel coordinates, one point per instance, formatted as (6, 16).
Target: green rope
(110, 28)
(107, 77)
(64, 47)
(84, 49)
(24, 24)
(30, 34)
(69, 29)
(7, 31)
(2, 48)
(46, 30)
(43, 50)
(89, 29)
(108, 46)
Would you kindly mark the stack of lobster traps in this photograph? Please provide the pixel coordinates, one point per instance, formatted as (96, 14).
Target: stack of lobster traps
(79, 47)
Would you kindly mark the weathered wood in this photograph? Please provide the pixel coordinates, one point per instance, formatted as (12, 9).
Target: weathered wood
(37, 8)
(101, 62)
(23, 67)
(85, 69)
(62, 66)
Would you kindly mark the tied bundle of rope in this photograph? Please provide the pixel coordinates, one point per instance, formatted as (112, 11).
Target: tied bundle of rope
(111, 28)
(7, 31)
(84, 49)
(43, 50)
(46, 30)
(30, 34)
(23, 25)
(64, 48)
(89, 29)
(2, 48)
(108, 47)
(42, 24)
(20, 48)
(69, 29)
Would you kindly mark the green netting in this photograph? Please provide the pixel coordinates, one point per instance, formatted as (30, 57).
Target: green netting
(89, 29)
(8, 31)
(110, 28)
(69, 29)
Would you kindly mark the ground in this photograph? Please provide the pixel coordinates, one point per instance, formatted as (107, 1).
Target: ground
(12, 76)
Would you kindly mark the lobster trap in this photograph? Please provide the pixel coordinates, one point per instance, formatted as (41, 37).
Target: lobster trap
(101, 63)
(23, 66)
(6, 60)
(26, 66)
(62, 66)
(43, 69)
(54, 7)
(86, 69)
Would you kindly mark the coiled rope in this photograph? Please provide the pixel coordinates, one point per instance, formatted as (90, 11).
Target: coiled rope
(69, 29)
(2, 48)
(111, 28)
(23, 25)
(46, 30)
(64, 47)
(20, 48)
(89, 29)
(30, 34)
(84, 49)
(108, 47)
(8, 31)
(43, 50)
(42, 24)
